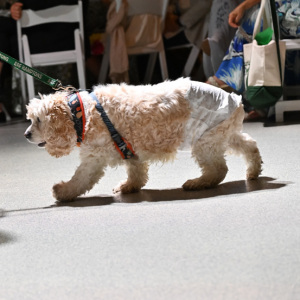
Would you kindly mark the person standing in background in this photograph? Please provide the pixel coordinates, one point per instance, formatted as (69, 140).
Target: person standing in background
(219, 35)
(10, 11)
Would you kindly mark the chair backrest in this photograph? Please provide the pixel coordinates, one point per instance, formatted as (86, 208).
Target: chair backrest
(137, 7)
(157, 7)
(60, 13)
(56, 14)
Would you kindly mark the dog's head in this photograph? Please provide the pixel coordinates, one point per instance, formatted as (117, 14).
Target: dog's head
(51, 124)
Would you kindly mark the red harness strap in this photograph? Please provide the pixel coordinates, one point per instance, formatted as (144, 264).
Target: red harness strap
(83, 115)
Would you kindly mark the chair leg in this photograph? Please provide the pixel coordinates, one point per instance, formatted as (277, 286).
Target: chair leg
(30, 82)
(81, 74)
(163, 65)
(30, 86)
(150, 67)
(80, 60)
(24, 95)
(27, 60)
(104, 67)
(105, 63)
(189, 65)
(285, 105)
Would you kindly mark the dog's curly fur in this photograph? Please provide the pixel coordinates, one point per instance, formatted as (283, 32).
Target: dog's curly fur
(153, 119)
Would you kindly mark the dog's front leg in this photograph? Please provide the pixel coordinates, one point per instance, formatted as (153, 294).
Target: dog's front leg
(87, 174)
(137, 172)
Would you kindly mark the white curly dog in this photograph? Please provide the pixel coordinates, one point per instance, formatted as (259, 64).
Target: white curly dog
(157, 121)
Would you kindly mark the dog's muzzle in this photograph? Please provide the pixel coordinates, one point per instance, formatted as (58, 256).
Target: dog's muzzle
(28, 136)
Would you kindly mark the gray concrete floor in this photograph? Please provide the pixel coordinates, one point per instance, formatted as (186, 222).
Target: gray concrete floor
(238, 241)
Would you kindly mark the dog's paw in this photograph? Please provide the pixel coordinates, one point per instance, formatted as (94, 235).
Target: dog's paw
(61, 192)
(126, 188)
(253, 173)
(192, 185)
(254, 169)
(252, 176)
(199, 184)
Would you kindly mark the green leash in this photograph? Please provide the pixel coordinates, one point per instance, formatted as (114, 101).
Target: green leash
(54, 83)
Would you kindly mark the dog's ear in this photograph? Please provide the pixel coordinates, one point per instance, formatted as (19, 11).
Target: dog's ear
(32, 108)
(60, 135)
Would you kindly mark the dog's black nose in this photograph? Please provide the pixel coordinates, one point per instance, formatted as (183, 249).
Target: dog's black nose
(27, 134)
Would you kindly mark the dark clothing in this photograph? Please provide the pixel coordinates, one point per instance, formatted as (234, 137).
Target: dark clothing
(177, 40)
(9, 46)
(8, 36)
(38, 5)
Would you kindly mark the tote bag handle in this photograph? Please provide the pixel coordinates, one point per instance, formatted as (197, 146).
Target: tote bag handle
(262, 16)
(276, 33)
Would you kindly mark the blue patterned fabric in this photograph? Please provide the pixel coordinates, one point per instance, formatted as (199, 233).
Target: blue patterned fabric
(231, 70)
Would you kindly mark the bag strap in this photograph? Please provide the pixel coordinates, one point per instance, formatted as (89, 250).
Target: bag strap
(261, 15)
(276, 34)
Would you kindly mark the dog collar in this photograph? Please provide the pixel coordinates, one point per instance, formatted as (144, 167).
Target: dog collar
(77, 110)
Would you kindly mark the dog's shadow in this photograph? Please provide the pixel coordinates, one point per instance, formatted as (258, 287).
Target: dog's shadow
(6, 238)
(228, 188)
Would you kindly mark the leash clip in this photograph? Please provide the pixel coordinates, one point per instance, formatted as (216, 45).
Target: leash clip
(67, 88)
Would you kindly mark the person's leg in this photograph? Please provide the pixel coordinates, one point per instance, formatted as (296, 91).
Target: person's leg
(231, 70)
(220, 34)
(8, 31)
(2, 114)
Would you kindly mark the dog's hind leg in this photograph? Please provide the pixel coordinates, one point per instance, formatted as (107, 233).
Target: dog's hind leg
(137, 172)
(242, 143)
(209, 154)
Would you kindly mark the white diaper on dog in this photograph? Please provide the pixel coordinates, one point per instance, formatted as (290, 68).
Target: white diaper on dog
(210, 106)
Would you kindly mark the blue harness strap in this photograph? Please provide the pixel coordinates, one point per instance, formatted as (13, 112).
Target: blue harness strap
(123, 146)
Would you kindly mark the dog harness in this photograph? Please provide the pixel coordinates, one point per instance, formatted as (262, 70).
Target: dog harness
(77, 110)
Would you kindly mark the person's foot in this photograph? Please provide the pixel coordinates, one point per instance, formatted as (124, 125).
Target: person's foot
(213, 80)
(255, 116)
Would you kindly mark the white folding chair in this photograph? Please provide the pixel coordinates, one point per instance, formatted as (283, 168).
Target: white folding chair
(288, 105)
(61, 13)
(138, 7)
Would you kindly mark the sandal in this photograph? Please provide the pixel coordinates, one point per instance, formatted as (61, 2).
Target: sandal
(255, 116)
(212, 81)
